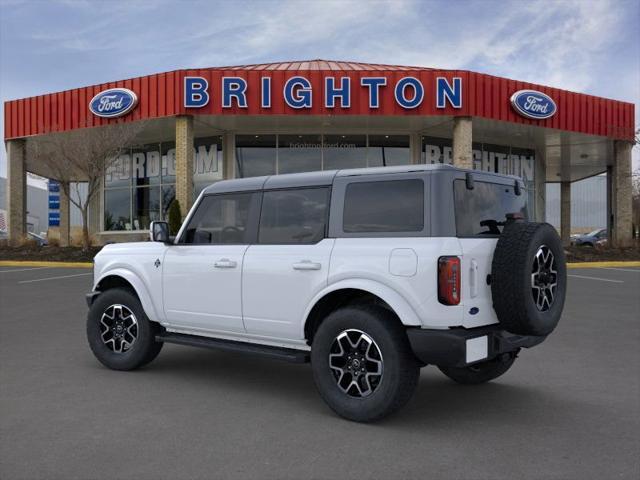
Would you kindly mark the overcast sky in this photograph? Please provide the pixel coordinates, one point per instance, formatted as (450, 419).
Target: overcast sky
(582, 45)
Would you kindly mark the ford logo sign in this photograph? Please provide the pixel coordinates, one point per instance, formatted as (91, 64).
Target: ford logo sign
(114, 102)
(533, 104)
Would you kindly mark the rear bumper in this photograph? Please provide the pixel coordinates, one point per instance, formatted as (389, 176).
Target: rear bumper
(459, 347)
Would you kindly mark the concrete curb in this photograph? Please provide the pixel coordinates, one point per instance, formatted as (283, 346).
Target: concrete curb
(630, 263)
(29, 263)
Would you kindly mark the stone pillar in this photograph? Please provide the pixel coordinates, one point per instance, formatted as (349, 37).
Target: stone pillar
(621, 192)
(462, 142)
(228, 156)
(65, 216)
(565, 213)
(16, 191)
(416, 148)
(184, 162)
(540, 182)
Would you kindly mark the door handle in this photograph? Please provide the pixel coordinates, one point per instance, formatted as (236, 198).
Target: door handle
(307, 265)
(225, 263)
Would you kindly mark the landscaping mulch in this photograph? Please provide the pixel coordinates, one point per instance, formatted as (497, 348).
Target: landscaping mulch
(49, 253)
(590, 254)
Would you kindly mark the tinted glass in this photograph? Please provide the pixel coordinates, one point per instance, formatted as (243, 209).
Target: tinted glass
(255, 155)
(117, 209)
(483, 210)
(344, 151)
(389, 150)
(146, 207)
(299, 153)
(384, 206)
(294, 216)
(220, 219)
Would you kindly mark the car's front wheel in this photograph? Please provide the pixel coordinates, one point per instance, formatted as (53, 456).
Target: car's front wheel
(362, 363)
(119, 333)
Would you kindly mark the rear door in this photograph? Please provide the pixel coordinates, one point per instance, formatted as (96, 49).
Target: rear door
(480, 215)
(289, 264)
(202, 274)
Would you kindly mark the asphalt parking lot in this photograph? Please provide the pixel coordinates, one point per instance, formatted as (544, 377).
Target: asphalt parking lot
(568, 409)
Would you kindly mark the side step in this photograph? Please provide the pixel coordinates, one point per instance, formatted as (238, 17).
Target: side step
(277, 353)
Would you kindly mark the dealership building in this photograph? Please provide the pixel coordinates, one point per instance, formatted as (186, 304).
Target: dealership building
(200, 126)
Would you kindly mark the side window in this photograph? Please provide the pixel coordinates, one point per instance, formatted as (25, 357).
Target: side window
(384, 206)
(293, 216)
(483, 210)
(220, 219)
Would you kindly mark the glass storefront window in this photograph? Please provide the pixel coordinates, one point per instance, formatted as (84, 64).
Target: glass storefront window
(117, 209)
(344, 151)
(145, 165)
(168, 195)
(146, 207)
(207, 163)
(118, 174)
(388, 150)
(299, 153)
(255, 155)
(168, 162)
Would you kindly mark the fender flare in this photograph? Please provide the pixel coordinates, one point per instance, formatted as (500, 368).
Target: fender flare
(138, 285)
(397, 302)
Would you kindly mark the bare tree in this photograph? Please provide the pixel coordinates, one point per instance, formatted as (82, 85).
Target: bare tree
(82, 156)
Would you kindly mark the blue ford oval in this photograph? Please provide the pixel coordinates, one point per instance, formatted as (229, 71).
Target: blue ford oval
(114, 102)
(533, 104)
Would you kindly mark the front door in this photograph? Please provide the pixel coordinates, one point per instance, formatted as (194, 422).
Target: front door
(202, 274)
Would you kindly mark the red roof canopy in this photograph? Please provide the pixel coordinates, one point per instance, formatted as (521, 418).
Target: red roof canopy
(161, 95)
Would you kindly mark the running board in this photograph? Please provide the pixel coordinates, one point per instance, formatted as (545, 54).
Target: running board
(277, 353)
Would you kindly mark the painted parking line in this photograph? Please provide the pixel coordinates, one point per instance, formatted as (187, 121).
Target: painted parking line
(636, 270)
(596, 278)
(23, 269)
(55, 278)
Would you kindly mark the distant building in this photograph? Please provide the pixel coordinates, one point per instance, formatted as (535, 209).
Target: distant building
(37, 207)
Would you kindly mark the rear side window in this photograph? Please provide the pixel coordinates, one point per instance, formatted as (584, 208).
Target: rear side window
(483, 210)
(220, 219)
(384, 206)
(294, 216)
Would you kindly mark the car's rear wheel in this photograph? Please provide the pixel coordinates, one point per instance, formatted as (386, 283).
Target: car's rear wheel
(481, 372)
(119, 333)
(362, 363)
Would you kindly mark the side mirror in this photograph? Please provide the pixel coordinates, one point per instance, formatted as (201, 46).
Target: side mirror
(159, 232)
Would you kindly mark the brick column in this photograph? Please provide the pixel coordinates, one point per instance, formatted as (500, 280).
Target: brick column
(184, 162)
(65, 216)
(565, 213)
(462, 142)
(621, 192)
(16, 191)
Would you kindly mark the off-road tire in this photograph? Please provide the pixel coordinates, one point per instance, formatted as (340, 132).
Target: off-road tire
(142, 351)
(514, 260)
(399, 366)
(480, 372)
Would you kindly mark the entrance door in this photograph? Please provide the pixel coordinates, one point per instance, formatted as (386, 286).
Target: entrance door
(202, 275)
(290, 263)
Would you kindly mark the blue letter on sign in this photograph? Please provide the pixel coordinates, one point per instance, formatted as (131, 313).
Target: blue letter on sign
(195, 92)
(266, 92)
(374, 84)
(445, 92)
(297, 92)
(331, 92)
(418, 92)
(234, 87)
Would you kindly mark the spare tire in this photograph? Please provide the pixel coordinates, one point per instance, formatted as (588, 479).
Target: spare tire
(529, 278)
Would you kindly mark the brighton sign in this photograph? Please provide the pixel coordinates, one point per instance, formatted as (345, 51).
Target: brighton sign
(113, 103)
(297, 92)
(533, 104)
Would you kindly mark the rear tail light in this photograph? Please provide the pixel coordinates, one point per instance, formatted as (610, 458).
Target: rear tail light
(449, 280)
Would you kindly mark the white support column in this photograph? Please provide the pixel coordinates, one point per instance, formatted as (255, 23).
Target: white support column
(462, 142)
(16, 191)
(415, 145)
(621, 193)
(565, 213)
(228, 156)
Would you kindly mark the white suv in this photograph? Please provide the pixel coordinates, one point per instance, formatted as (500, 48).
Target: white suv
(369, 274)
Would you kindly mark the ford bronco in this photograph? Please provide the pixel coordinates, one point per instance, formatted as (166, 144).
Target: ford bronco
(369, 274)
